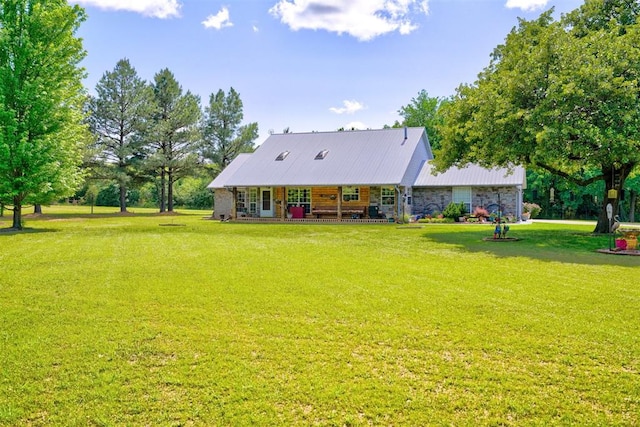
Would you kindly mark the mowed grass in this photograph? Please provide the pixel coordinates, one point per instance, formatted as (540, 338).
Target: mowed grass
(175, 320)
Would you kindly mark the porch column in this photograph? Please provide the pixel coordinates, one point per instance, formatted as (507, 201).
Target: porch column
(283, 204)
(234, 205)
(339, 204)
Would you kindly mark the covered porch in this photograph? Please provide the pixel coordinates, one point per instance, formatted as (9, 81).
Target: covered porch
(355, 204)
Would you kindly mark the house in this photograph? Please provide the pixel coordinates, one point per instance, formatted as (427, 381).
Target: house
(472, 185)
(371, 175)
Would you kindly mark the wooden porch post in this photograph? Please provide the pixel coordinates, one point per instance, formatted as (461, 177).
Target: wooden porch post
(339, 203)
(234, 206)
(283, 204)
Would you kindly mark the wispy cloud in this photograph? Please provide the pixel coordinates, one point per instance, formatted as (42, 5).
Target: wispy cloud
(218, 21)
(350, 107)
(527, 5)
(362, 19)
(153, 8)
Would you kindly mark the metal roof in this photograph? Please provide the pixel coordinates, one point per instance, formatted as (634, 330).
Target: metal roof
(369, 157)
(471, 175)
(221, 179)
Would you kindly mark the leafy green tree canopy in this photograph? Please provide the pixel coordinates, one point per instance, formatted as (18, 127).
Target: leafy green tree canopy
(424, 111)
(562, 96)
(41, 98)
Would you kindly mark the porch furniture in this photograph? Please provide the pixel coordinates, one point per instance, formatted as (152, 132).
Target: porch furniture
(296, 211)
(374, 212)
(358, 211)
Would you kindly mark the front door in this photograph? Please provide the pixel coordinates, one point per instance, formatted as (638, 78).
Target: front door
(266, 203)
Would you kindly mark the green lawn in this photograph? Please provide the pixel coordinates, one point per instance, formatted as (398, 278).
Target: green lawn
(176, 320)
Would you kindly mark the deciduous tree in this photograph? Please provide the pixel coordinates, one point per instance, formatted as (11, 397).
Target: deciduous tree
(41, 98)
(562, 96)
(424, 111)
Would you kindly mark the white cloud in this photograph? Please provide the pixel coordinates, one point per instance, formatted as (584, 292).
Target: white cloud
(355, 125)
(153, 8)
(362, 19)
(350, 107)
(219, 20)
(527, 5)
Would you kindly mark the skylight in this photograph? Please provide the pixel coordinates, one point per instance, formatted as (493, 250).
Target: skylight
(322, 154)
(282, 156)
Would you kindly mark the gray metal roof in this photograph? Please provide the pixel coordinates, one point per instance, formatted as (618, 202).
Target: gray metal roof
(471, 175)
(221, 179)
(369, 157)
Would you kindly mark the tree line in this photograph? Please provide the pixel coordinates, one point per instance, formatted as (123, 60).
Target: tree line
(560, 97)
(157, 133)
(55, 139)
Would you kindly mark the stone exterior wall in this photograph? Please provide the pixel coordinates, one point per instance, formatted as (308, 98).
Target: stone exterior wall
(509, 199)
(223, 203)
(428, 200)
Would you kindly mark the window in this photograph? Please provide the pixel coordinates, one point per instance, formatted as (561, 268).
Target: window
(322, 154)
(351, 194)
(247, 201)
(299, 197)
(388, 196)
(253, 201)
(282, 156)
(462, 195)
(241, 200)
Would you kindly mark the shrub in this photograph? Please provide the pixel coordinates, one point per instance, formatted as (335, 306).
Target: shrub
(439, 220)
(533, 209)
(454, 210)
(480, 212)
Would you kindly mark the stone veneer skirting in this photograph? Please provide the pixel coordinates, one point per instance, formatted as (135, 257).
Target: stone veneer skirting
(428, 200)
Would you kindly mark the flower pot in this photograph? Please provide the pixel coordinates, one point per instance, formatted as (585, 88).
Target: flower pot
(632, 243)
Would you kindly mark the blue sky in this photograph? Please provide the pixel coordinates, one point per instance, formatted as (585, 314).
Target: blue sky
(310, 65)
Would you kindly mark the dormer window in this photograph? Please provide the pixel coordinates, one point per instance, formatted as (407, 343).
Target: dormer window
(322, 154)
(282, 156)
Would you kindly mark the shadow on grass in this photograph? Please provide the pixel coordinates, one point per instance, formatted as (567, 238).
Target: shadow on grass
(101, 215)
(26, 230)
(564, 245)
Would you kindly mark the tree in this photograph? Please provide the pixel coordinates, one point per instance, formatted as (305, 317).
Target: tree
(223, 136)
(41, 97)
(174, 136)
(557, 96)
(119, 118)
(424, 111)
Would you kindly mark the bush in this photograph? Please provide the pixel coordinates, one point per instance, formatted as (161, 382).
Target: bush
(436, 220)
(110, 196)
(193, 193)
(533, 209)
(480, 212)
(454, 210)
